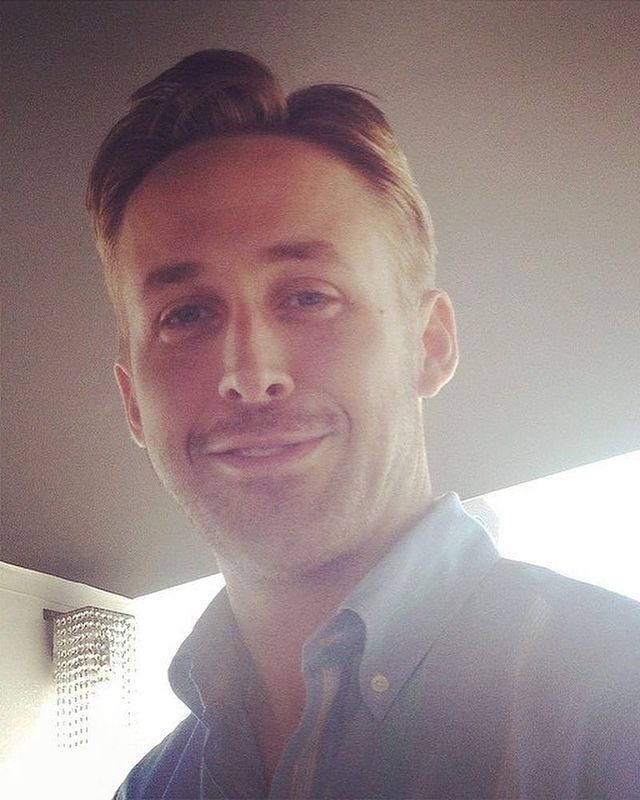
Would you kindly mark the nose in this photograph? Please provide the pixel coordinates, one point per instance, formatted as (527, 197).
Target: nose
(255, 363)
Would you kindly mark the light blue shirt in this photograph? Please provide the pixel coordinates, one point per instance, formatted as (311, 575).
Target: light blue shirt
(448, 672)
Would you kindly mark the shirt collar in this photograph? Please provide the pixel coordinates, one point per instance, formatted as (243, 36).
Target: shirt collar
(408, 597)
(212, 666)
(404, 603)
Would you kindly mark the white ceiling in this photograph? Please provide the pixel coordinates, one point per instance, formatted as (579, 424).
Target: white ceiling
(521, 121)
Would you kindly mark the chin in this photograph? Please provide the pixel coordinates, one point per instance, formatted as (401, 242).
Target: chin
(276, 547)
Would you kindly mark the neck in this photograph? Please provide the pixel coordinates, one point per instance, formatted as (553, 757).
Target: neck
(275, 619)
(286, 612)
(276, 614)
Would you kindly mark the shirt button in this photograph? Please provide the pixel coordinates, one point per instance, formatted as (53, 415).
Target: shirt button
(379, 683)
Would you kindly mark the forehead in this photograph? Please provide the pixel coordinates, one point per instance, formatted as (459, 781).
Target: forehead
(266, 163)
(241, 190)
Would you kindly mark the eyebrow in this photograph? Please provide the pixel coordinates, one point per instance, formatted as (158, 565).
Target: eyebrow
(170, 274)
(186, 271)
(300, 250)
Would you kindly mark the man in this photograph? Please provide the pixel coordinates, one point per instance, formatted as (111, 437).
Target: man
(271, 266)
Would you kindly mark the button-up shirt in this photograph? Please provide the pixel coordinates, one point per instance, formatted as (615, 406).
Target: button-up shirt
(447, 673)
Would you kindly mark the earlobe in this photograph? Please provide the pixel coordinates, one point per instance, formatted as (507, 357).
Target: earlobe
(132, 410)
(439, 341)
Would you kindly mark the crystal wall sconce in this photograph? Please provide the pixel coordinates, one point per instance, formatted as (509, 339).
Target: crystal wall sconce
(94, 672)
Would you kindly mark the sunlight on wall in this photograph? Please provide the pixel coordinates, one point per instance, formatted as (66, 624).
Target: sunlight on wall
(38, 769)
(31, 764)
(583, 523)
(164, 620)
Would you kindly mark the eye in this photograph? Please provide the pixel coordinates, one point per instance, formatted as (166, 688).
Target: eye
(186, 320)
(311, 300)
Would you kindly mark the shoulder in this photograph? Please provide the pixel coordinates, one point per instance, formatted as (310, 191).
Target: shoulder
(556, 663)
(577, 660)
(170, 763)
(569, 608)
(570, 639)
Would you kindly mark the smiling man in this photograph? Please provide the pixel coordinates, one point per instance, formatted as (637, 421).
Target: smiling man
(273, 371)
(271, 266)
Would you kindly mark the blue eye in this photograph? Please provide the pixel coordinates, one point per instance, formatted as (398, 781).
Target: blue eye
(309, 299)
(187, 321)
(301, 303)
(185, 316)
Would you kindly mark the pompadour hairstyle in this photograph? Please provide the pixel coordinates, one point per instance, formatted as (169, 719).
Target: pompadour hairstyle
(215, 93)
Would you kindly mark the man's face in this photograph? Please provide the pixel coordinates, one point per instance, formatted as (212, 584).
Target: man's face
(274, 374)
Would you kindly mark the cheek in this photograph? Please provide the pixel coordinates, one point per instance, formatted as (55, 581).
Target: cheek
(348, 357)
(172, 389)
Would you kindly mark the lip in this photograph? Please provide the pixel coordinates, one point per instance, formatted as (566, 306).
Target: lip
(259, 455)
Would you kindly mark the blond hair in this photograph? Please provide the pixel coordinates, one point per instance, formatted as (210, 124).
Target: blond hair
(220, 93)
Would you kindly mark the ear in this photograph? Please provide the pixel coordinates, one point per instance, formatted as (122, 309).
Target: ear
(132, 410)
(439, 342)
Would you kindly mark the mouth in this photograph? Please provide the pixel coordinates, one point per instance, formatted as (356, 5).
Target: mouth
(253, 456)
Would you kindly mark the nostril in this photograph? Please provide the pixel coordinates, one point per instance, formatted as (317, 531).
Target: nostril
(275, 389)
